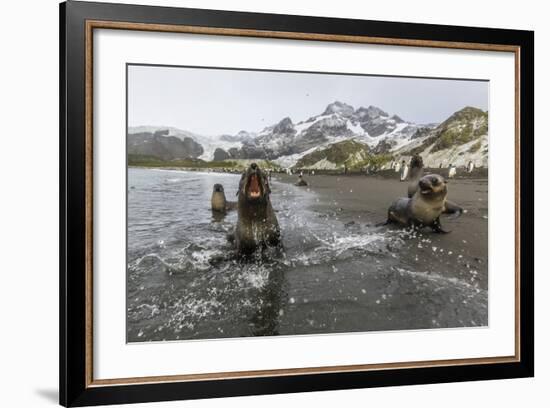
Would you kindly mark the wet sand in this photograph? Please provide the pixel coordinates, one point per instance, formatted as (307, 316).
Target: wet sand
(434, 281)
(365, 200)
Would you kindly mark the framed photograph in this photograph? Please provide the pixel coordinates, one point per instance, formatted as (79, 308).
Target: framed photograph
(256, 203)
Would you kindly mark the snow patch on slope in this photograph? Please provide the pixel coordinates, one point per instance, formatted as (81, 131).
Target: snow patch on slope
(458, 155)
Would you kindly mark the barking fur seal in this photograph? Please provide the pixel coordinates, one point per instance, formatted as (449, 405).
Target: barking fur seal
(425, 207)
(257, 225)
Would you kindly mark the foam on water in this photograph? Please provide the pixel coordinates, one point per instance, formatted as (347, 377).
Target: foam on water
(442, 281)
(338, 244)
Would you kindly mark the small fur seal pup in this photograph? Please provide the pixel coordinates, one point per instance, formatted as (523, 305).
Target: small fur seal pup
(257, 226)
(416, 172)
(219, 202)
(424, 208)
(301, 182)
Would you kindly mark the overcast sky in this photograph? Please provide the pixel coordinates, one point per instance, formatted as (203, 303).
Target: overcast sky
(217, 101)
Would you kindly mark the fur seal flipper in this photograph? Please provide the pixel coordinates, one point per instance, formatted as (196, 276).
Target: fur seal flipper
(425, 206)
(257, 225)
(452, 208)
(436, 227)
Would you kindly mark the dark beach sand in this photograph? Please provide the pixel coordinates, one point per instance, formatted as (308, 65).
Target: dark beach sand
(434, 281)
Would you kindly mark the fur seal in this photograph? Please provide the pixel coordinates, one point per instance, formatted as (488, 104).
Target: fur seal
(301, 182)
(424, 208)
(219, 202)
(257, 226)
(416, 172)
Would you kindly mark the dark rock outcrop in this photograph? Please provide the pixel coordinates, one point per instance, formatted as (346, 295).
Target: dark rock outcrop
(163, 147)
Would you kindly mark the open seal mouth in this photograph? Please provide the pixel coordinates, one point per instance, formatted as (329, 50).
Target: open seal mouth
(425, 188)
(432, 184)
(254, 188)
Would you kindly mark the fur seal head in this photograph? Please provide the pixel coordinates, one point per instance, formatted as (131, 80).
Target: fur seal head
(417, 162)
(432, 186)
(254, 186)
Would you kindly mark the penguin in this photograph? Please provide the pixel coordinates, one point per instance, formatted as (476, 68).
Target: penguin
(470, 167)
(404, 171)
(452, 171)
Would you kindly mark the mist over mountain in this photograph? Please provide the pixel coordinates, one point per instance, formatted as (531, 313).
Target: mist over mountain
(339, 136)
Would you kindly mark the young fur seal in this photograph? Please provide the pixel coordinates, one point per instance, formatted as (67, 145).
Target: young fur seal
(257, 225)
(301, 182)
(416, 171)
(424, 208)
(219, 202)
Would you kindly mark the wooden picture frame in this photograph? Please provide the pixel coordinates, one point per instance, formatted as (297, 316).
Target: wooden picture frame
(78, 20)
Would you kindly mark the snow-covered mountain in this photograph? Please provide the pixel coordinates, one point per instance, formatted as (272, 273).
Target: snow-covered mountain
(459, 139)
(338, 122)
(377, 137)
